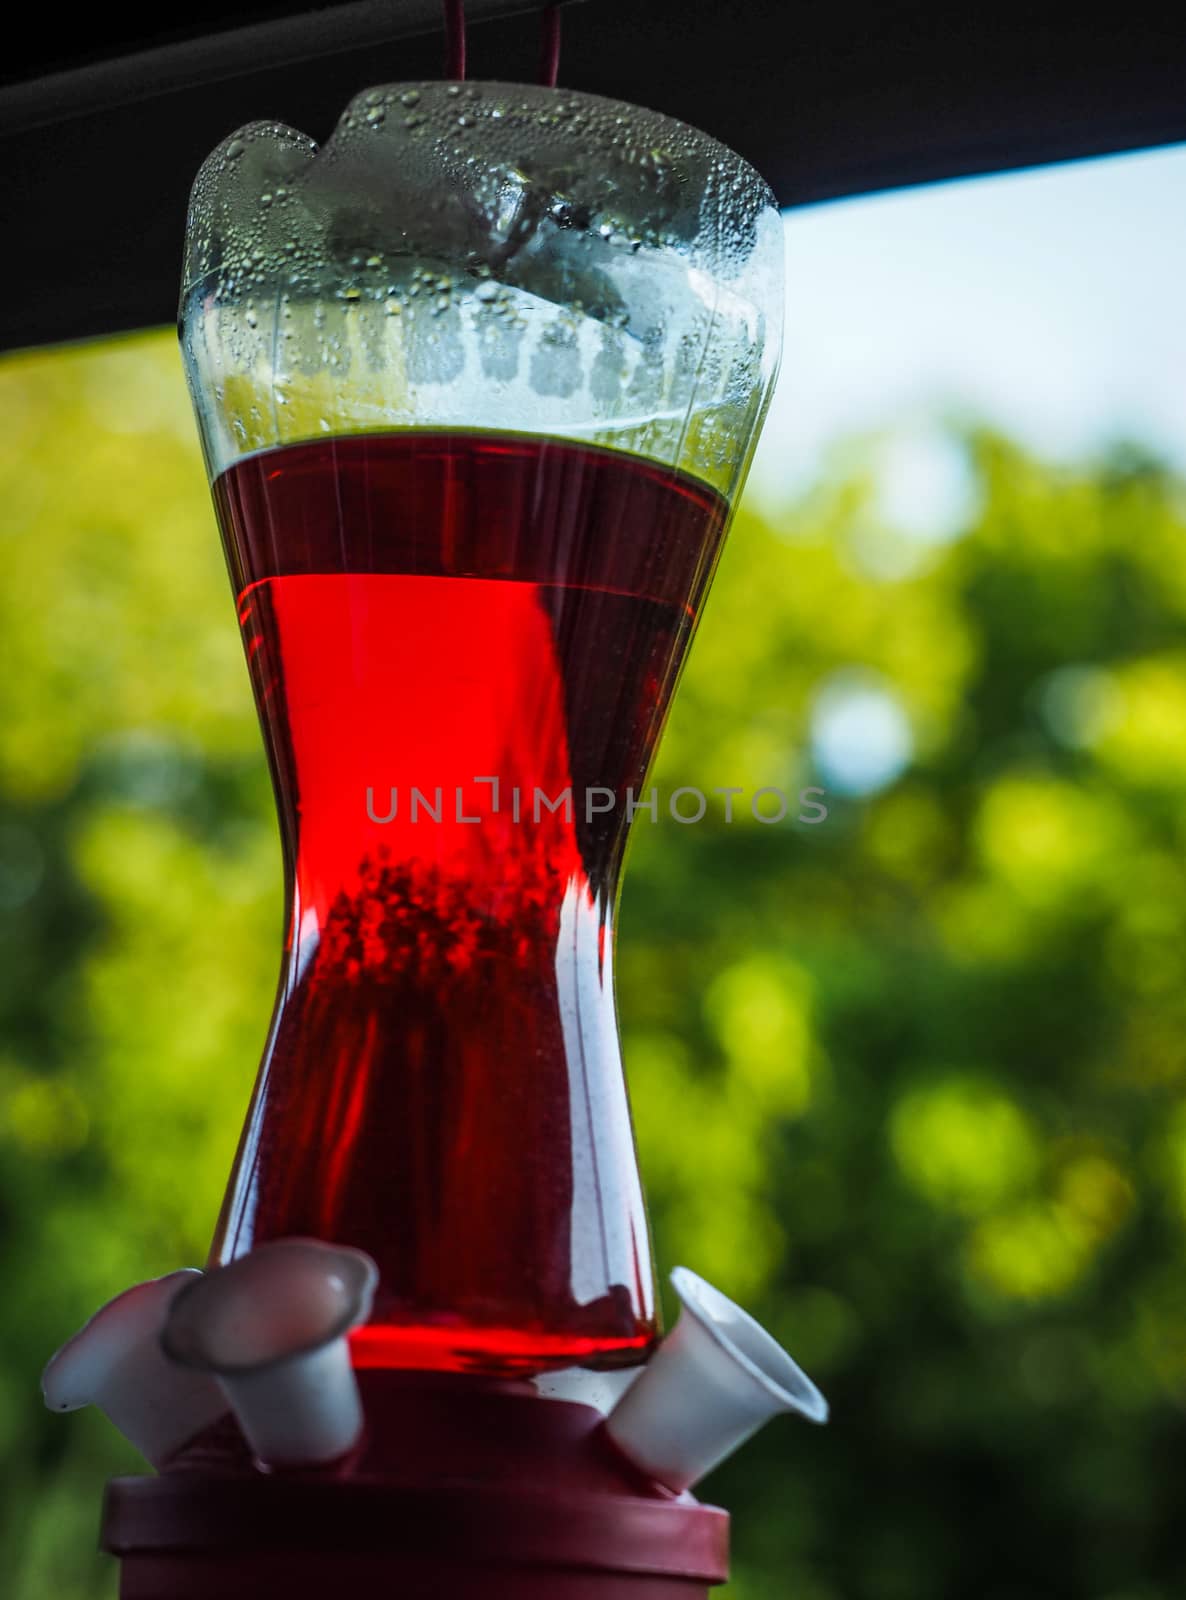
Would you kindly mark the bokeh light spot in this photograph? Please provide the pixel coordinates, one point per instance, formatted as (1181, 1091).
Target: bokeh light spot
(963, 1144)
(860, 735)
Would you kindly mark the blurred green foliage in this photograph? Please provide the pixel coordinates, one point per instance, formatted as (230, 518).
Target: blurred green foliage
(910, 1083)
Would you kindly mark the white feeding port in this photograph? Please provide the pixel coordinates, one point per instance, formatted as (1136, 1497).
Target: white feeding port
(115, 1363)
(273, 1329)
(712, 1383)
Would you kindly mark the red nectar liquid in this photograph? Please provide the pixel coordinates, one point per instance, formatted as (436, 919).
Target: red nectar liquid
(449, 634)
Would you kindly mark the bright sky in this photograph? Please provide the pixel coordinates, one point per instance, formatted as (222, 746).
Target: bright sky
(1052, 302)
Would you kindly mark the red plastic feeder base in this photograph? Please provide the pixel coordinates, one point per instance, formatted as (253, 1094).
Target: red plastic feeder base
(461, 1490)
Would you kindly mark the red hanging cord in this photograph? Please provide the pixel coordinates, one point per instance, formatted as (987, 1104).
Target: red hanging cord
(454, 38)
(549, 55)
